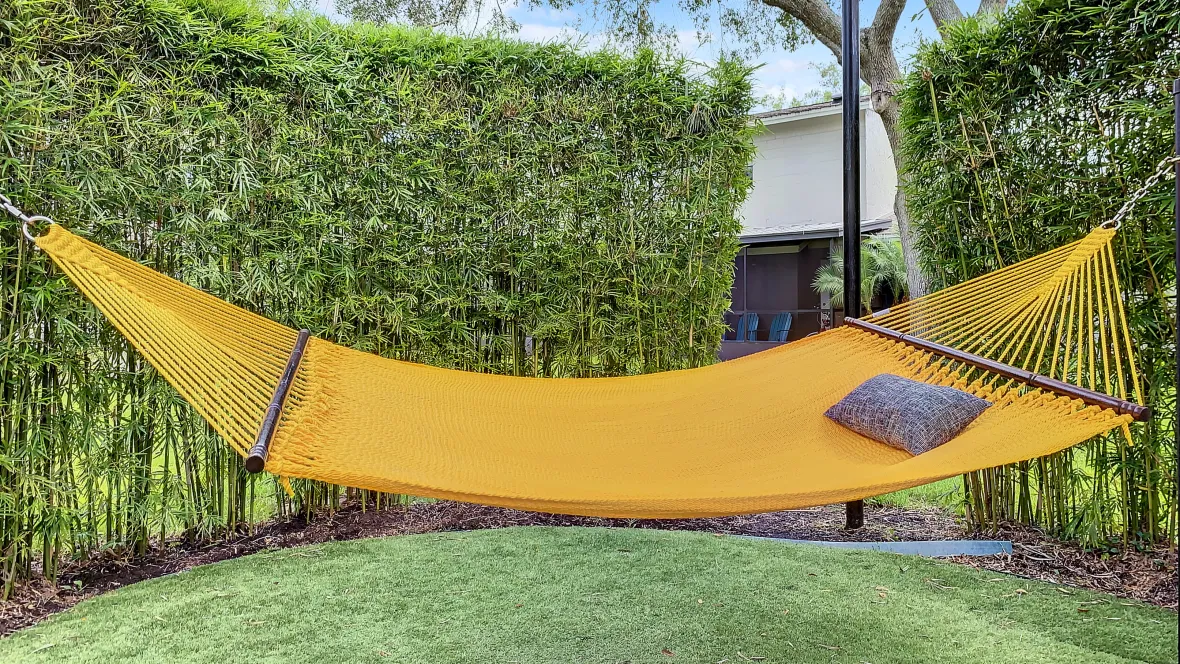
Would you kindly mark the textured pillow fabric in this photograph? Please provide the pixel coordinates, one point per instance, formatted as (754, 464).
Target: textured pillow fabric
(906, 414)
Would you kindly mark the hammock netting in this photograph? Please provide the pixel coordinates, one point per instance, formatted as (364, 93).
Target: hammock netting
(743, 436)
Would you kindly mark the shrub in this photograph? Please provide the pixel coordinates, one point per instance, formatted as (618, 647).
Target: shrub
(472, 203)
(1023, 134)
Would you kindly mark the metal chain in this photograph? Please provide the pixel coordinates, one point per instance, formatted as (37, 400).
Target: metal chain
(6, 203)
(1162, 169)
(26, 220)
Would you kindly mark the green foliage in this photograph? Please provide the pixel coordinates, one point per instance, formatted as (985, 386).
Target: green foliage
(480, 204)
(882, 273)
(945, 494)
(1022, 135)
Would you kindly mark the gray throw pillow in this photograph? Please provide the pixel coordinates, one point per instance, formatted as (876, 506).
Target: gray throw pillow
(906, 414)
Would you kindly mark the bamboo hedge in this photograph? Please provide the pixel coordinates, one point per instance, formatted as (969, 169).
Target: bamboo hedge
(471, 203)
(1023, 134)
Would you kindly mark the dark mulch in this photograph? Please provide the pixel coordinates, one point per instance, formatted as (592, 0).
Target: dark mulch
(1149, 576)
(1146, 576)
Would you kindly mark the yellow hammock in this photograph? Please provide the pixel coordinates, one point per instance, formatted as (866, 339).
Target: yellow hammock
(737, 437)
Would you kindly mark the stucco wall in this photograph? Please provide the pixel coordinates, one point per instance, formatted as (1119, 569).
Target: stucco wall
(797, 173)
(879, 175)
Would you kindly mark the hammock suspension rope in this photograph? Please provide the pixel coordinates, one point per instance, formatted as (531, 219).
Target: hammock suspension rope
(1136, 411)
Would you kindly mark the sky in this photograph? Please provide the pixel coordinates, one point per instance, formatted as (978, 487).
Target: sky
(783, 74)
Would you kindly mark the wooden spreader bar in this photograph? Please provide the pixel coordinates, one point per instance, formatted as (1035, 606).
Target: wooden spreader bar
(256, 460)
(1091, 397)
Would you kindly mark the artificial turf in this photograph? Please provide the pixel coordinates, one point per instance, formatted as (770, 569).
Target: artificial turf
(594, 595)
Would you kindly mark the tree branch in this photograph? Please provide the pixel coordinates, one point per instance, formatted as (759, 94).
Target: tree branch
(943, 12)
(817, 17)
(878, 37)
(994, 6)
(885, 22)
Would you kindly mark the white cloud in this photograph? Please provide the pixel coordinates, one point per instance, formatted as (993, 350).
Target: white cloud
(536, 32)
(327, 8)
(696, 45)
(784, 91)
(785, 66)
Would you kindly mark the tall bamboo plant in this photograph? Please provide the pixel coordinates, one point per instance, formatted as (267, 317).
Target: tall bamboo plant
(1024, 134)
(480, 204)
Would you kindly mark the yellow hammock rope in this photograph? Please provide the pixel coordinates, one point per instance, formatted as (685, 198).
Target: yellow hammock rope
(737, 437)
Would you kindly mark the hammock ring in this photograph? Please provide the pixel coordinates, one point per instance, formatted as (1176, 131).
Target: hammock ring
(27, 222)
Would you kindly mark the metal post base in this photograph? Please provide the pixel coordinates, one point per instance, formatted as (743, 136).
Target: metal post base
(854, 515)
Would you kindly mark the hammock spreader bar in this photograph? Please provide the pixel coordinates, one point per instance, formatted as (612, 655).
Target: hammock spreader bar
(1120, 406)
(256, 460)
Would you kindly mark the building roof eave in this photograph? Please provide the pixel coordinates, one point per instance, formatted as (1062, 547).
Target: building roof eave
(803, 112)
(811, 232)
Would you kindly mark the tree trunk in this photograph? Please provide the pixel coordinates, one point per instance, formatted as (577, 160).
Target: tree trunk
(878, 68)
(882, 74)
(887, 108)
(915, 278)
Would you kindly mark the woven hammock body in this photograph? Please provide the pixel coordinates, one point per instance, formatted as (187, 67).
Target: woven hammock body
(737, 437)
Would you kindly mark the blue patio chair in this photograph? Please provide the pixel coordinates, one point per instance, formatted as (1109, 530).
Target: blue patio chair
(747, 328)
(780, 327)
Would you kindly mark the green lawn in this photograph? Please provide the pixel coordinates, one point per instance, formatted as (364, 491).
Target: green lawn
(594, 595)
(946, 493)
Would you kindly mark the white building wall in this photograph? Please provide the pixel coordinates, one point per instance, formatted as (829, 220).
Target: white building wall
(879, 174)
(797, 173)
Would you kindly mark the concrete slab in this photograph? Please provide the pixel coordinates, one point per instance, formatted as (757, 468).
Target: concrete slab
(929, 549)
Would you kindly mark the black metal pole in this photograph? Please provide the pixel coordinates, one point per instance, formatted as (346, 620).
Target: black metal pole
(850, 61)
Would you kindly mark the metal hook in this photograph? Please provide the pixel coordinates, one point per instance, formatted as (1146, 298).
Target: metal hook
(26, 221)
